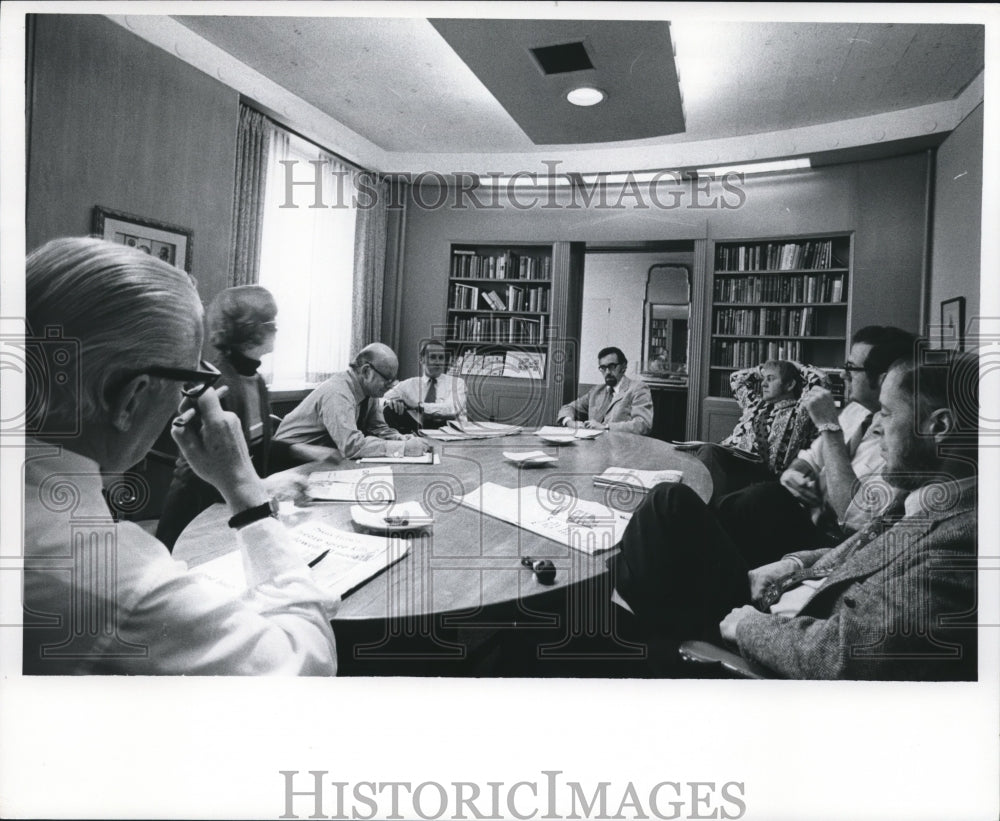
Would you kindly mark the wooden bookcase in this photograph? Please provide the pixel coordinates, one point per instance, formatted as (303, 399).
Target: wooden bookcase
(778, 298)
(508, 319)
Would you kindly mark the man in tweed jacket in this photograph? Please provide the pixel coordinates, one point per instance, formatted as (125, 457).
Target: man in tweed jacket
(621, 403)
(896, 600)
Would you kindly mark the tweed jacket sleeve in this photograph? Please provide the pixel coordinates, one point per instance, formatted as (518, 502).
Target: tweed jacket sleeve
(901, 607)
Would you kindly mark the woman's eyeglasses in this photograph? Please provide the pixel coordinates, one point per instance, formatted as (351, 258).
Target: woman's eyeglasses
(194, 382)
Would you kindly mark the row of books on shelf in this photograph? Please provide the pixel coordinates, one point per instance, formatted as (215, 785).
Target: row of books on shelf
(520, 364)
(746, 353)
(765, 321)
(507, 265)
(502, 329)
(776, 256)
(788, 288)
(516, 298)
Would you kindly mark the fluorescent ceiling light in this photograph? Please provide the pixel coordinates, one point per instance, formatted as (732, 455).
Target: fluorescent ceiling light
(585, 96)
(755, 167)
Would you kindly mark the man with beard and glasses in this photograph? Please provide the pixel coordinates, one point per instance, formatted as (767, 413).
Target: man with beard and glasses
(896, 600)
(620, 404)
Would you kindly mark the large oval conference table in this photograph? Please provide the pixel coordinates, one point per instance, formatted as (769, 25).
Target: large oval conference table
(462, 579)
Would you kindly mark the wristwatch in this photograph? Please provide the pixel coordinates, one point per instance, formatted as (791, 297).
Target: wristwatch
(829, 427)
(254, 514)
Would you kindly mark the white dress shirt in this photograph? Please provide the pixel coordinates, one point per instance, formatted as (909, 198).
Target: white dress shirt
(103, 597)
(451, 397)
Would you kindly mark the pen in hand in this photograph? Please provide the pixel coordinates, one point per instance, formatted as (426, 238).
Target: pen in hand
(185, 418)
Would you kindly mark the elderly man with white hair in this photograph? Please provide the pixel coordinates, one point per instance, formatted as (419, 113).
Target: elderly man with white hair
(104, 596)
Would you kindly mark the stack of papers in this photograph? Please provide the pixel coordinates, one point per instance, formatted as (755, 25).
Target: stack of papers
(362, 485)
(529, 457)
(644, 480)
(586, 526)
(457, 431)
(694, 444)
(559, 432)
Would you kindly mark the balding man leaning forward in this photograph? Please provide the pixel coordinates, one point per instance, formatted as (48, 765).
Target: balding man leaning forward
(342, 416)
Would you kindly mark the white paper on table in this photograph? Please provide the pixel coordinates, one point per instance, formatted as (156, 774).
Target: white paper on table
(429, 458)
(529, 457)
(583, 525)
(361, 485)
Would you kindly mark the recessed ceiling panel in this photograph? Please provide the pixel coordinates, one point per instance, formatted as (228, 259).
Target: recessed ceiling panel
(633, 64)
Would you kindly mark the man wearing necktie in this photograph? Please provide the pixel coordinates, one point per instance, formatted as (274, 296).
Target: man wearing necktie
(620, 404)
(429, 400)
(895, 600)
(810, 506)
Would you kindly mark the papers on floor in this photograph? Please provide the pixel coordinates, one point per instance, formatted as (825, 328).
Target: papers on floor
(644, 480)
(341, 560)
(577, 523)
(392, 516)
(455, 431)
(372, 484)
(529, 457)
(559, 432)
(429, 458)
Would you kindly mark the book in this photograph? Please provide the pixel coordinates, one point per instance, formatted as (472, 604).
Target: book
(526, 365)
(361, 485)
(339, 560)
(644, 480)
(590, 527)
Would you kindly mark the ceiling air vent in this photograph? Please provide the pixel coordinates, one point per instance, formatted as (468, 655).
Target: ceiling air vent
(562, 59)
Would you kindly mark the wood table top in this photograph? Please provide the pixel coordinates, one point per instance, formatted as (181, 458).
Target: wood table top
(470, 561)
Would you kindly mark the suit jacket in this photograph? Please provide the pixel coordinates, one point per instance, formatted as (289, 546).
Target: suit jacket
(901, 607)
(630, 410)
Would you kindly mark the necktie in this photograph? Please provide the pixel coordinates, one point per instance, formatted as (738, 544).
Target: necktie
(774, 590)
(432, 394)
(362, 414)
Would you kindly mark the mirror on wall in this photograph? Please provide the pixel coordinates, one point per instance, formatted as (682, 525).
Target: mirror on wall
(666, 320)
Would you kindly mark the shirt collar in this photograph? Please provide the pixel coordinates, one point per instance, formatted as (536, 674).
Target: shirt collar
(935, 497)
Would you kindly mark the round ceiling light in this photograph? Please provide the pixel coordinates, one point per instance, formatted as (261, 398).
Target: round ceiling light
(585, 96)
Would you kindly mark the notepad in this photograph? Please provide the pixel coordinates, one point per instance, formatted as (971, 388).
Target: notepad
(559, 432)
(429, 458)
(644, 480)
(339, 560)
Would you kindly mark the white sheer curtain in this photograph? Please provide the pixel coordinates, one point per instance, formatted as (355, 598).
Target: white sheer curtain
(307, 262)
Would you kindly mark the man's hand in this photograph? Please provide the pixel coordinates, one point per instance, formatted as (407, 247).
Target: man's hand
(397, 406)
(820, 405)
(590, 423)
(566, 422)
(217, 452)
(802, 487)
(727, 627)
(761, 576)
(415, 447)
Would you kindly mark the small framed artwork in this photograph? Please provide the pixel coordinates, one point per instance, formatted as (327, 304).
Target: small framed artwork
(952, 331)
(171, 243)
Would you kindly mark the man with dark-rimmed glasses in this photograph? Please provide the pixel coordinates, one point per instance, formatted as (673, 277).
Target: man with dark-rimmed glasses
(119, 334)
(342, 416)
(811, 504)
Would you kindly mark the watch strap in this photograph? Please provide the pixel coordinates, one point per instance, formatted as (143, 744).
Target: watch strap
(253, 514)
(829, 427)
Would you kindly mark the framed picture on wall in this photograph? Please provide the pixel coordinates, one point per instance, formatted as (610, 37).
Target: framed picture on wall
(171, 243)
(952, 331)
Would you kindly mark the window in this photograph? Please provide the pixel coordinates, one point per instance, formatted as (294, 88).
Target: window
(307, 262)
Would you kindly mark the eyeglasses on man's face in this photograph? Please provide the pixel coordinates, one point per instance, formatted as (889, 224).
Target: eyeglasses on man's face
(609, 366)
(386, 379)
(193, 382)
(850, 369)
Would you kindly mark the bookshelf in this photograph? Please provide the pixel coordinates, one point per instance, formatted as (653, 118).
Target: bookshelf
(510, 309)
(499, 303)
(779, 298)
